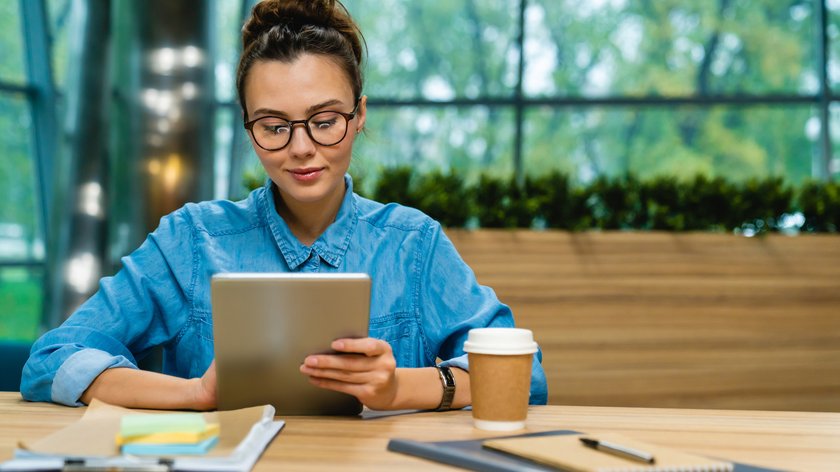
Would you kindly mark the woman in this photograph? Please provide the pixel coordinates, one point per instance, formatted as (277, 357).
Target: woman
(300, 86)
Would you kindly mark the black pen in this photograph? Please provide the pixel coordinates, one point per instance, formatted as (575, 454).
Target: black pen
(619, 450)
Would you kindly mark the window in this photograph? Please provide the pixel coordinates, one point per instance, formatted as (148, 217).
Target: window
(727, 88)
(21, 231)
(466, 139)
(439, 51)
(670, 49)
(11, 41)
(717, 141)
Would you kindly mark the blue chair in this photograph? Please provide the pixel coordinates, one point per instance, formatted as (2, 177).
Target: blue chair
(13, 355)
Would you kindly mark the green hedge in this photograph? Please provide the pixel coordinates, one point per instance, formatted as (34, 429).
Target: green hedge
(553, 201)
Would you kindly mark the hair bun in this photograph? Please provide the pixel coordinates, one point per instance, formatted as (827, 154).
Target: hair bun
(292, 14)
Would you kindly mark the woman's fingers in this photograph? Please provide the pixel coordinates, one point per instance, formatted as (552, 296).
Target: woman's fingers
(361, 355)
(351, 362)
(370, 347)
(365, 368)
(339, 375)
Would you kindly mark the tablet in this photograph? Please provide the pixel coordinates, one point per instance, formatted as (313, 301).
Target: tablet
(264, 325)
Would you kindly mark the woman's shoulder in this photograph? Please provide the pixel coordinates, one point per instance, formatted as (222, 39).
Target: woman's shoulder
(392, 216)
(221, 216)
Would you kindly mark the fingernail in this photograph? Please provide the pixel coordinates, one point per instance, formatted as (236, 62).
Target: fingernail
(338, 345)
(311, 361)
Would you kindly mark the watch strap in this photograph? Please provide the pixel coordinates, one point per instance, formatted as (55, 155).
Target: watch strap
(447, 379)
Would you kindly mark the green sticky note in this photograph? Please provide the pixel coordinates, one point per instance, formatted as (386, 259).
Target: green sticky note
(136, 425)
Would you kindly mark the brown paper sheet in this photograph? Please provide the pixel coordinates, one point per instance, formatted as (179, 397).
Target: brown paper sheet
(94, 434)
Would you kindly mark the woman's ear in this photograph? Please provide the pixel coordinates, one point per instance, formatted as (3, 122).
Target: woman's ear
(361, 114)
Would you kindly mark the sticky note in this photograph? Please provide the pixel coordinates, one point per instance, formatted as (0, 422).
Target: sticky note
(174, 437)
(136, 425)
(170, 449)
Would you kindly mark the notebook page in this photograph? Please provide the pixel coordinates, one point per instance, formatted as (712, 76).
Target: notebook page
(567, 452)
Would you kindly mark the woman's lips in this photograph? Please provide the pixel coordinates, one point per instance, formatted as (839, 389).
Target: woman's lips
(307, 174)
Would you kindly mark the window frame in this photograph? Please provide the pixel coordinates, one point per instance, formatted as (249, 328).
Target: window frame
(41, 96)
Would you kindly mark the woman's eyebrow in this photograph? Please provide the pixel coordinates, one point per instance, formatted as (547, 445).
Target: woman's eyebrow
(328, 103)
(310, 110)
(268, 112)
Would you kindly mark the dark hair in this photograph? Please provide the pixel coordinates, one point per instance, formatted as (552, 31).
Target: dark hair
(282, 30)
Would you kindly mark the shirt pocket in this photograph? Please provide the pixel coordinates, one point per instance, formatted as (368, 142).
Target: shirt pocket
(402, 332)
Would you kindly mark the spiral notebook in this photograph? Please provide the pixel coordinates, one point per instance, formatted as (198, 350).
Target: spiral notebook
(567, 452)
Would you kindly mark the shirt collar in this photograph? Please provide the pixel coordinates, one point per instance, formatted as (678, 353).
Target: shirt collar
(330, 246)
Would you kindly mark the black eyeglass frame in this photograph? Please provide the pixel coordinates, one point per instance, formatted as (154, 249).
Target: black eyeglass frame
(293, 123)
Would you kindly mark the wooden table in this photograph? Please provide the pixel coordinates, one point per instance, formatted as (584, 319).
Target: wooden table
(804, 441)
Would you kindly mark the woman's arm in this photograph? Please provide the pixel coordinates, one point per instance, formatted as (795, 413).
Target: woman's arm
(134, 388)
(453, 303)
(421, 388)
(368, 372)
(145, 304)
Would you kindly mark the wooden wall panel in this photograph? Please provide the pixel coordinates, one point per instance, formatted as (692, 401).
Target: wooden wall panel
(694, 320)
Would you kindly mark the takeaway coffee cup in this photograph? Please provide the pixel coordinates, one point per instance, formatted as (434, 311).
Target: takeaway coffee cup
(500, 376)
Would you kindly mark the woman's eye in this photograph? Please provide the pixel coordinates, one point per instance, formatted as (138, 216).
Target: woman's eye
(324, 124)
(275, 128)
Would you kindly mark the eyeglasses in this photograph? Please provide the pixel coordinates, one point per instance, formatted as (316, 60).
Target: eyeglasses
(326, 128)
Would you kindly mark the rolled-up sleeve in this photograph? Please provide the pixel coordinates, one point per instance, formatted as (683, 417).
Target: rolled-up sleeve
(79, 370)
(142, 306)
(453, 302)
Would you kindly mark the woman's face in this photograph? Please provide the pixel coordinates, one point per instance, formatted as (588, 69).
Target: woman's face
(304, 171)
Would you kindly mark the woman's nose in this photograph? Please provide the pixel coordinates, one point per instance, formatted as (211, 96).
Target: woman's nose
(301, 144)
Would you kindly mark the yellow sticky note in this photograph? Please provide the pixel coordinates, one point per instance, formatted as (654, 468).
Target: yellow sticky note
(174, 437)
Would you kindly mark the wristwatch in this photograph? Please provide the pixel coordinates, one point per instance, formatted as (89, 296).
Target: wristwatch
(448, 382)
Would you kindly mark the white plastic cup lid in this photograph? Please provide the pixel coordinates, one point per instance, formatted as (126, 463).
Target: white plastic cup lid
(500, 341)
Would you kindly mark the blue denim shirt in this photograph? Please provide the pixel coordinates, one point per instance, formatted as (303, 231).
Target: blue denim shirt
(424, 298)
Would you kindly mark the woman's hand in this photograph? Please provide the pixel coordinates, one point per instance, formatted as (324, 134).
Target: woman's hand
(205, 389)
(366, 370)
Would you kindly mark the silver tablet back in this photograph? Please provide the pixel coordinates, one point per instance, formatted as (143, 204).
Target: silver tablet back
(264, 325)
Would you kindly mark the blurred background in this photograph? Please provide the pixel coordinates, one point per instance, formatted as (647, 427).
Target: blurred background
(115, 112)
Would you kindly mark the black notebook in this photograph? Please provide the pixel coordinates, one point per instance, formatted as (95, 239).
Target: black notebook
(470, 454)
